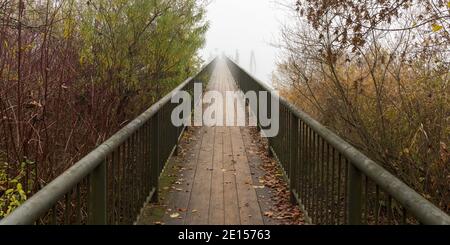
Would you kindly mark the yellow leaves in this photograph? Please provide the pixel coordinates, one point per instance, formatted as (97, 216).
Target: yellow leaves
(68, 27)
(448, 4)
(19, 187)
(13, 195)
(435, 27)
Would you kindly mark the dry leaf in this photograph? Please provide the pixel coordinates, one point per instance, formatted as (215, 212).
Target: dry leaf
(174, 215)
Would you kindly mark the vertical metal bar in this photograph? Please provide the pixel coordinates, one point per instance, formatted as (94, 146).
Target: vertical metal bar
(366, 200)
(97, 196)
(333, 183)
(389, 210)
(307, 161)
(134, 155)
(141, 171)
(322, 178)
(354, 195)
(54, 215)
(67, 207)
(78, 204)
(155, 157)
(327, 185)
(302, 164)
(115, 171)
(269, 112)
(314, 177)
(325, 159)
(310, 179)
(122, 187)
(404, 216)
(126, 182)
(345, 183)
(339, 199)
(294, 158)
(377, 204)
(148, 160)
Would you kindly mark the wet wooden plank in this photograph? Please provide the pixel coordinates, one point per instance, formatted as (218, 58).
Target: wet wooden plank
(179, 197)
(231, 206)
(198, 210)
(249, 209)
(216, 210)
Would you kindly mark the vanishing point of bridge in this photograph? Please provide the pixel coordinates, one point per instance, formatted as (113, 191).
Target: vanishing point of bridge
(217, 174)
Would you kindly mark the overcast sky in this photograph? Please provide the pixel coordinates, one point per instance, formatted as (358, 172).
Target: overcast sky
(245, 25)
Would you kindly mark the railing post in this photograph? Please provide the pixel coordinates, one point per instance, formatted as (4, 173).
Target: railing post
(294, 157)
(269, 114)
(155, 158)
(354, 196)
(97, 195)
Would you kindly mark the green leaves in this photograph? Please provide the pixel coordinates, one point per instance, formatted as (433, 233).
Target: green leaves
(142, 44)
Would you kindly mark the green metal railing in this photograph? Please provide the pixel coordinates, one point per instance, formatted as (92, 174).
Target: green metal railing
(113, 183)
(333, 182)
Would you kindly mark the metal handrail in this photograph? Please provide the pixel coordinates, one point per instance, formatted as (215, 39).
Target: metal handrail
(300, 127)
(93, 165)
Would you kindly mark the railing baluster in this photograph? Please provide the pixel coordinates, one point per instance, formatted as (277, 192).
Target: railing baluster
(294, 158)
(67, 207)
(78, 204)
(354, 195)
(155, 157)
(333, 184)
(97, 195)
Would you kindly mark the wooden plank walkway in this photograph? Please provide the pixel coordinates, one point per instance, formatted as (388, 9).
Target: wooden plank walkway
(216, 180)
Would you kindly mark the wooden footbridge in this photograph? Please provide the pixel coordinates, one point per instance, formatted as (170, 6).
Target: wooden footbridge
(330, 180)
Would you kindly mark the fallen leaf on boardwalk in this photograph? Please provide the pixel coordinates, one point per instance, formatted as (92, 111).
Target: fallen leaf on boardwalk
(174, 215)
(182, 210)
(194, 211)
(273, 180)
(158, 223)
(259, 187)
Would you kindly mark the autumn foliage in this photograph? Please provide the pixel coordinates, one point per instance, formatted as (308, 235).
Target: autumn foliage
(377, 73)
(74, 72)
